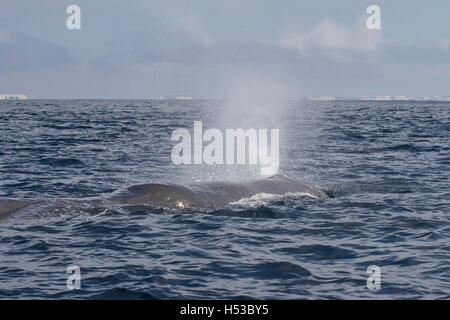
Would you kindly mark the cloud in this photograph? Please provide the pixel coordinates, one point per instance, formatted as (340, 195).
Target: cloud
(5, 36)
(20, 52)
(194, 28)
(330, 35)
(443, 43)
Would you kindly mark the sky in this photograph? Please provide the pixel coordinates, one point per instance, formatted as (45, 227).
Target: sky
(139, 49)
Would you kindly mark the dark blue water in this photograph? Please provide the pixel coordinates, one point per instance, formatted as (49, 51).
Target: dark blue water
(385, 166)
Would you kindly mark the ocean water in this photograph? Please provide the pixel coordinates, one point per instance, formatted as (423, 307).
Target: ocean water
(385, 166)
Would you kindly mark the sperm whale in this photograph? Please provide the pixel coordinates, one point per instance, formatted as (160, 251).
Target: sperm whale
(196, 195)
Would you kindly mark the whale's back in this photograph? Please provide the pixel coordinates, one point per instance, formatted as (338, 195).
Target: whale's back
(197, 195)
(212, 194)
(9, 206)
